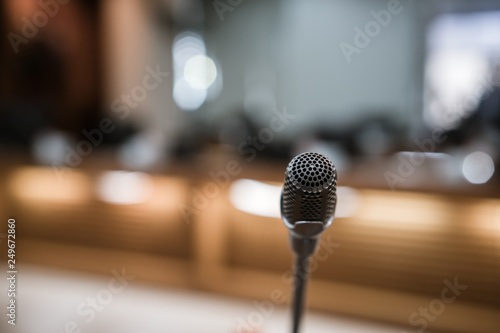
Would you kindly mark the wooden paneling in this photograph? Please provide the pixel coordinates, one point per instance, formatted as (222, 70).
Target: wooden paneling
(384, 261)
(399, 241)
(154, 225)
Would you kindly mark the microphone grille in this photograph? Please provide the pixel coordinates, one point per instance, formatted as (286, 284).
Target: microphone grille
(309, 192)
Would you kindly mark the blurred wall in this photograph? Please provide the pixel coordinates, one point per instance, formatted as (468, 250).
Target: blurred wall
(135, 43)
(288, 53)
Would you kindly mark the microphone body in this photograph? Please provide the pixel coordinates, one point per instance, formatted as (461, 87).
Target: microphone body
(308, 202)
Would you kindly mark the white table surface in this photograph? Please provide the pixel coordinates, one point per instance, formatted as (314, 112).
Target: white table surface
(48, 299)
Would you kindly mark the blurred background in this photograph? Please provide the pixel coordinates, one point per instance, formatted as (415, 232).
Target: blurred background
(143, 146)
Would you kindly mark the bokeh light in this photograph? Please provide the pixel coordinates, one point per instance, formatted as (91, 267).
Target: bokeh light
(478, 167)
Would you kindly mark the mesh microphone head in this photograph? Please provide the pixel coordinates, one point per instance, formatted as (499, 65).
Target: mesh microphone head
(309, 193)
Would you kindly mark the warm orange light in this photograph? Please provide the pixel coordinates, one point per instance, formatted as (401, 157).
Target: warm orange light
(17, 9)
(484, 216)
(43, 184)
(169, 194)
(402, 208)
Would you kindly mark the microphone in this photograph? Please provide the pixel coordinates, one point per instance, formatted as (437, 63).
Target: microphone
(308, 202)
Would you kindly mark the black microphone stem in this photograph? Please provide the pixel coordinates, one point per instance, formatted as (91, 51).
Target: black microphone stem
(300, 276)
(308, 201)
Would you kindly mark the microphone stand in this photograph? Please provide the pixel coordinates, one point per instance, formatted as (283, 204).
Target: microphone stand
(300, 283)
(304, 247)
(308, 200)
